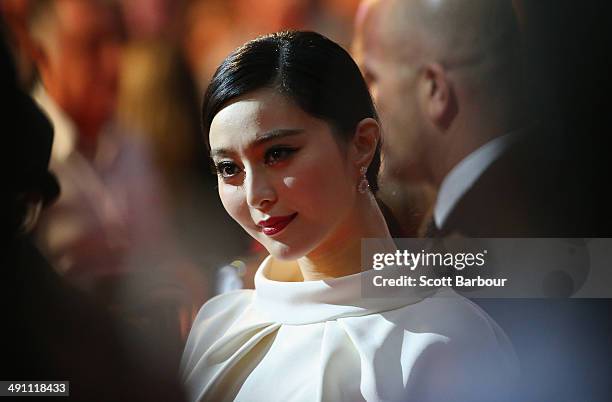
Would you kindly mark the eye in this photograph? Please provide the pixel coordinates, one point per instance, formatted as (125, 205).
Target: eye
(227, 169)
(278, 154)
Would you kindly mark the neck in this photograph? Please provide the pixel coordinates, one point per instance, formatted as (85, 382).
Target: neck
(465, 137)
(341, 254)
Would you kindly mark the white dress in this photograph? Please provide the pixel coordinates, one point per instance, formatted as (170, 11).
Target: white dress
(322, 341)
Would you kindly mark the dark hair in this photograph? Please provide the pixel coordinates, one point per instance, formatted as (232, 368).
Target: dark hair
(313, 71)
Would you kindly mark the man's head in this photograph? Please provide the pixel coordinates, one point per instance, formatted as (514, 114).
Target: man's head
(443, 74)
(75, 44)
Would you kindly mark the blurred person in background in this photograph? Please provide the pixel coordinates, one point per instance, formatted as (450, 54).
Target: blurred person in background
(153, 19)
(268, 16)
(212, 28)
(51, 331)
(335, 18)
(448, 79)
(208, 36)
(157, 99)
(108, 233)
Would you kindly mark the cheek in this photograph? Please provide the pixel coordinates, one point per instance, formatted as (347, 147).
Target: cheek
(318, 189)
(395, 101)
(234, 202)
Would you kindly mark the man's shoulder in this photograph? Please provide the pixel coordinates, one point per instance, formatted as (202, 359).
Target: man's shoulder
(522, 193)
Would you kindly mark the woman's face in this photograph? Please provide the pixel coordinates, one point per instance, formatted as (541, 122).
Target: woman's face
(282, 175)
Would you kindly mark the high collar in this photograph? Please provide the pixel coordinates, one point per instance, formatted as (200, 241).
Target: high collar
(306, 302)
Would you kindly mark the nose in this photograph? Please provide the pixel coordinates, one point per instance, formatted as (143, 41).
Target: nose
(260, 191)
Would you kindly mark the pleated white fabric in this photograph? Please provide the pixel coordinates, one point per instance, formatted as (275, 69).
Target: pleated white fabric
(322, 341)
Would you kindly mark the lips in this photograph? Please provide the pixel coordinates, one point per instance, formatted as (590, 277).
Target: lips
(275, 224)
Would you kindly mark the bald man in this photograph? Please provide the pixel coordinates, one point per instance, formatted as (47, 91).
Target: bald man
(446, 76)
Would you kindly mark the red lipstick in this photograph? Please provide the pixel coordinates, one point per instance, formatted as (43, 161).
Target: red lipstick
(275, 224)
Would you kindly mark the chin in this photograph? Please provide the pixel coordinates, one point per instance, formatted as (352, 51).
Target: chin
(284, 251)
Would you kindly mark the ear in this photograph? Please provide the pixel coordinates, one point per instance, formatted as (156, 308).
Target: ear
(364, 142)
(436, 95)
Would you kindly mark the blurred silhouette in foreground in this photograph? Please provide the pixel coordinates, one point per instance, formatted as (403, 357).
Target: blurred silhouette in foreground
(50, 330)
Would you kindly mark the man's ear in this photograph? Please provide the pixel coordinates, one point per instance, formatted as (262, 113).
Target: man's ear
(437, 95)
(364, 142)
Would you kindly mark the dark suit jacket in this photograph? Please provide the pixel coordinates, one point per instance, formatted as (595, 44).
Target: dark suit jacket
(538, 188)
(535, 189)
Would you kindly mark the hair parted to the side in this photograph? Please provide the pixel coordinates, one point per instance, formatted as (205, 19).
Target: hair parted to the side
(306, 67)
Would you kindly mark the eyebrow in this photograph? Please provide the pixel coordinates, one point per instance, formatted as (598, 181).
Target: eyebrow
(261, 139)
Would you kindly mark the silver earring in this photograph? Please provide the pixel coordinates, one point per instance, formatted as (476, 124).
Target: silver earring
(363, 185)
